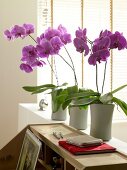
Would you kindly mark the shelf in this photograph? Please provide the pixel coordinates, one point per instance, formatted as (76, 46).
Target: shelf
(52, 155)
(102, 161)
(48, 167)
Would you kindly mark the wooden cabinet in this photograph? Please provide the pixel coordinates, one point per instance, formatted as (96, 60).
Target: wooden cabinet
(52, 152)
(70, 162)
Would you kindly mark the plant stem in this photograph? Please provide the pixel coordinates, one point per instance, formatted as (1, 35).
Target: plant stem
(97, 79)
(76, 82)
(89, 41)
(56, 75)
(66, 61)
(104, 77)
(32, 38)
(53, 72)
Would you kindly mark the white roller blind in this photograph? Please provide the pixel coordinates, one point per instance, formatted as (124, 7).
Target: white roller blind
(120, 58)
(95, 15)
(44, 21)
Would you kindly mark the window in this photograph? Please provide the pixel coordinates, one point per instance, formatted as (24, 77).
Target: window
(95, 16)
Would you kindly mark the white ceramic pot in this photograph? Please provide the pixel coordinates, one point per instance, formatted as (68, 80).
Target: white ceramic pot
(57, 112)
(101, 120)
(78, 118)
(60, 115)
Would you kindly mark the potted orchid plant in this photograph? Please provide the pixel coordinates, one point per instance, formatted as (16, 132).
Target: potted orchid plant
(101, 105)
(48, 44)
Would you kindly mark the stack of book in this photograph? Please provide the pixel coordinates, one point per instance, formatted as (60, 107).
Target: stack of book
(85, 144)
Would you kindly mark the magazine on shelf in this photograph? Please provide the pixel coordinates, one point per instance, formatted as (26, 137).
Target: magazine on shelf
(29, 152)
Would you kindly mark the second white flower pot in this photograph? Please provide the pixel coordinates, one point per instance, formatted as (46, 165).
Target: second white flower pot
(78, 118)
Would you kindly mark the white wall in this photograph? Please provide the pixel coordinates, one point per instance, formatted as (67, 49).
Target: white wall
(11, 78)
(119, 130)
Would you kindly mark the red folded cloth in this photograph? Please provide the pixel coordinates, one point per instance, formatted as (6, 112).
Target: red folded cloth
(103, 148)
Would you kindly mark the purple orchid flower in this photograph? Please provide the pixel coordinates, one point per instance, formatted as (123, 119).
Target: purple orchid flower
(80, 42)
(104, 43)
(44, 49)
(29, 28)
(81, 33)
(8, 35)
(62, 29)
(50, 33)
(103, 34)
(98, 56)
(66, 38)
(26, 67)
(118, 41)
(38, 63)
(29, 54)
(56, 44)
(81, 46)
(18, 31)
(100, 51)
(40, 38)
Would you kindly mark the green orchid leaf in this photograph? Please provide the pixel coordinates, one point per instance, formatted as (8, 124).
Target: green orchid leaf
(55, 93)
(31, 88)
(55, 106)
(61, 86)
(84, 101)
(121, 104)
(65, 94)
(85, 90)
(83, 107)
(64, 84)
(62, 96)
(57, 98)
(35, 88)
(47, 85)
(41, 90)
(106, 98)
(65, 104)
(72, 89)
(82, 95)
(119, 88)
